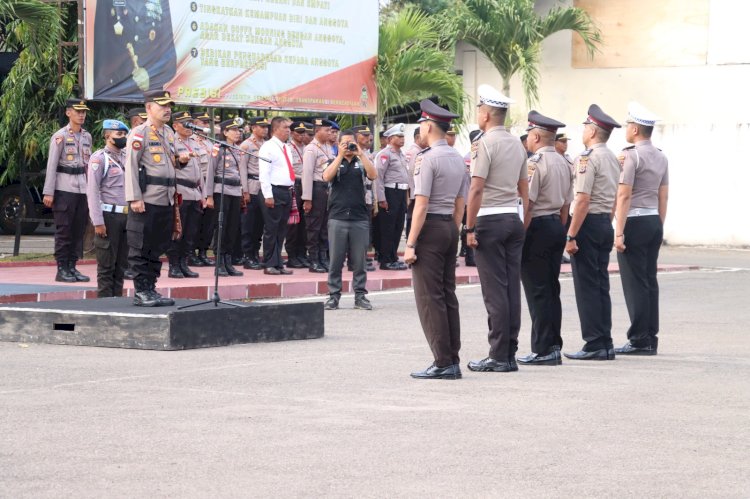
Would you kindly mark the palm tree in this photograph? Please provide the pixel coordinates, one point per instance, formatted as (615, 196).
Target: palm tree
(510, 34)
(414, 64)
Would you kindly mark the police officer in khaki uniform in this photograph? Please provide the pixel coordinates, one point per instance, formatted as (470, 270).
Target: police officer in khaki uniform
(466, 251)
(494, 229)
(153, 220)
(590, 235)
(439, 185)
(204, 237)
(108, 210)
(296, 241)
(641, 210)
(65, 189)
(550, 194)
(393, 187)
(317, 155)
(252, 217)
(229, 173)
(137, 116)
(192, 190)
(411, 157)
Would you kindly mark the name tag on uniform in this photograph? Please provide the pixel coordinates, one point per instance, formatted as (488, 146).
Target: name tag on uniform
(156, 150)
(70, 150)
(115, 171)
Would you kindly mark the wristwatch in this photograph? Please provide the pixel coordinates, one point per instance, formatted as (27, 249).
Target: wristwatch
(411, 246)
(470, 230)
(570, 238)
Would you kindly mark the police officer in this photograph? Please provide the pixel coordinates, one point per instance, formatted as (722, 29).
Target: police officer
(450, 136)
(205, 234)
(137, 116)
(108, 210)
(228, 174)
(65, 189)
(153, 222)
(641, 210)
(494, 229)
(411, 157)
(550, 194)
(192, 190)
(466, 251)
(561, 146)
(296, 243)
(439, 185)
(393, 186)
(316, 157)
(252, 216)
(590, 236)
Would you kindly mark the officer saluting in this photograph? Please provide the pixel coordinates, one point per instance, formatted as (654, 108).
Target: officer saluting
(641, 210)
(590, 235)
(150, 189)
(550, 194)
(65, 189)
(106, 199)
(439, 186)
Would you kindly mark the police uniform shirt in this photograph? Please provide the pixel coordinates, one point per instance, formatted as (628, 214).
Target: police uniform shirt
(370, 184)
(191, 172)
(250, 162)
(154, 150)
(597, 171)
(645, 168)
(231, 164)
(314, 161)
(500, 159)
(297, 150)
(439, 174)
(69, 150)
(550, 182)
(411, 158)
(392, 169)
(106, 181)
(203, 149)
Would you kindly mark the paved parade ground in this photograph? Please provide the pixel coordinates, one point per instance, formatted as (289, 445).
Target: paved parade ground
(340, 416)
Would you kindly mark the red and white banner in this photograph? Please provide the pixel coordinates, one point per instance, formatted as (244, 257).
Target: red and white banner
(304, 55)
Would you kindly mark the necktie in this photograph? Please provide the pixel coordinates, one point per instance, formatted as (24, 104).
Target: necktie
(288, 163)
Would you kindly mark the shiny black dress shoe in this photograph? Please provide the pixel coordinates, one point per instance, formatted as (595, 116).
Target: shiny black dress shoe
(491, 365)
(393, 266)
(304, 261)
(629, 349)
(296, 263)
(203, 256)
(317, 268)
(332, 303)
(284, 271)
(272, 271)
(602, 354)
(434, 372)
(252, 264)
(513, 364)
(552, 359)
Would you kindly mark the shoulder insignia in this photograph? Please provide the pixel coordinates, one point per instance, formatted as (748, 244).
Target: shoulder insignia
(58, 139)
(384, 159)
(215, 150)
(621, 159)
(94, 165)
(138, 137)
(582, 162)
(586, 152)
(137, 144)
(418, 164)
(423, 151)
(530, 168)
(629, 147)
(536, 157)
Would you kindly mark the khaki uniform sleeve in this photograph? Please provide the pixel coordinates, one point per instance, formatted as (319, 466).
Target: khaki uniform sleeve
(308, 170)
(628, 163)
(534, 175)
(423, 176)
(244, 158)
(585, 175)
(665, 178)
(132, 160)
(93, 188)
(480, 164)
(381, 166)
(50, 178)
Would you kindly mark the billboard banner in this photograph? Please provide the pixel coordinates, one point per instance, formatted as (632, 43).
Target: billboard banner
(305, 55)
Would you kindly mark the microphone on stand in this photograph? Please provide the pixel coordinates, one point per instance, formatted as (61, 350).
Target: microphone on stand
(195, 127)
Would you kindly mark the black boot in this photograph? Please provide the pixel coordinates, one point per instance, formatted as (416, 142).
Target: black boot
(161, 301)
(174, 269)
(221, 270)
(194, 261)
(185, 269)
(74, 271)
(233, 272)
(207, 262)
(252, 262)
(63, 273)
(143, 296)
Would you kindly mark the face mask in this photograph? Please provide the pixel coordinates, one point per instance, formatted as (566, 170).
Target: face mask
(120, 142)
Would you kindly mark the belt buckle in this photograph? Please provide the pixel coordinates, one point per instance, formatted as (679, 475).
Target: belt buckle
(125, 210)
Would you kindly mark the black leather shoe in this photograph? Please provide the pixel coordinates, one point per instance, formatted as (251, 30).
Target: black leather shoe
(370, 267)
(145, 299)
(272, 271)
(490, 365)
(393, 266)
(221, 270)
(629, 349)
(231, 271)
(332, 303)
(434, 372)
(175, 272)
(252, 264)
(186, 270)
(295, 263)
(79, 277)
(161, 301)
(513, 364)
(238, 260)
(362, 303)
(325, 264)
(63, 273)
(317, 268)
(602, 354)
(552, 359)
(304, 261)
(207, 262)
(285, 271)
(128, 274)
(194, 261)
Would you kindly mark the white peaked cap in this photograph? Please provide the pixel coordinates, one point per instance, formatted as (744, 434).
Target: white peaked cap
(637, 113)
(490, 96)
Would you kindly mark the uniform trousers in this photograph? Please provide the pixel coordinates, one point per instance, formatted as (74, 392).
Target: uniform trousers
(111, 255)
(391, 224)
(191, 213)
(348, 237)
(498, 258)
(434, 282)
(231, 221)
(296, 239)
(71, 212)
(274, 231)
(540, 274)
(316, 223)
(251, 221)
(149, 236)
(591, 280)
(205, 235)
(643, 238)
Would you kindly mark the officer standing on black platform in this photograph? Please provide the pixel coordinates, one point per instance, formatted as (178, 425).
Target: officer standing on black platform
(296, 240)
(641, 210)
(590, 235)
(550, 194)
(205, 234)
(439, 185)
(150, 183)
(251, 220)
(494, 229)
(65, 189)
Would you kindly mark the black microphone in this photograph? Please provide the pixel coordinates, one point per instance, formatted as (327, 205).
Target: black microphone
(193, 126)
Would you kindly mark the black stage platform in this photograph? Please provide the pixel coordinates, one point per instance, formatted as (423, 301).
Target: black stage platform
(115, 322)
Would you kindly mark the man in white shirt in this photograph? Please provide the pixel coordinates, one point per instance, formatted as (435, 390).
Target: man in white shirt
(277, 184)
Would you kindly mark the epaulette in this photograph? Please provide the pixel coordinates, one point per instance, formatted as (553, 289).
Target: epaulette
(629, 147)
(586, 152)
(536, 157)
(423, 151)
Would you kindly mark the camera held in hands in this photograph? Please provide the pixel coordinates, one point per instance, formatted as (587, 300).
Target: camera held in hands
(352, 146)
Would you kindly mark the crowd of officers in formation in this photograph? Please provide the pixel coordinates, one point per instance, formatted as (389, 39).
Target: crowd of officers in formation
(326, 198)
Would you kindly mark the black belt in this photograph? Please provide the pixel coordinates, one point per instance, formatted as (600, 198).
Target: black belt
(285, 187)
(228, 181)
(167, 181)
(187, 183)
(320, 183)
(368, 187)
(71, 170)
(253, 177)
(298, 180)
(439, 216)
(598, 215)
(554, 216)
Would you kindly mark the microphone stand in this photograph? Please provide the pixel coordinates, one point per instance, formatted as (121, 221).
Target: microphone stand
(224, 147)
